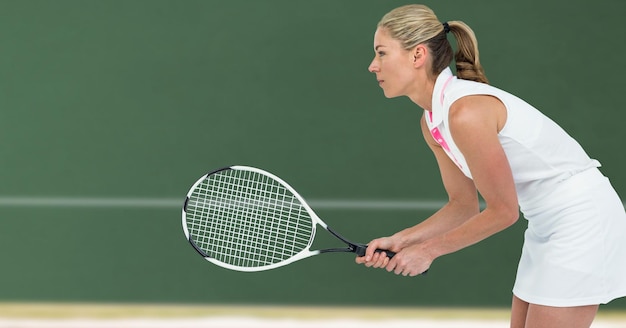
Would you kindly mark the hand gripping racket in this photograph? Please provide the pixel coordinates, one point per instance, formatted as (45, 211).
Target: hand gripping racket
(243, 218)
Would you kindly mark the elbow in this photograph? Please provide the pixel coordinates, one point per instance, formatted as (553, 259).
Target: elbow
(509, 215)
(506, 215)
(513, 216)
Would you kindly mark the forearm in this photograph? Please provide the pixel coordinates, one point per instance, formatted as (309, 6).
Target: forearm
(474, 230)
(449, 217)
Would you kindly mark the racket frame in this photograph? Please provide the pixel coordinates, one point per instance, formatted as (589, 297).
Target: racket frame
(358, 249)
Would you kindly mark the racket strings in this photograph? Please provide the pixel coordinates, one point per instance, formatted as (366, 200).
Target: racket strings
(247, 219)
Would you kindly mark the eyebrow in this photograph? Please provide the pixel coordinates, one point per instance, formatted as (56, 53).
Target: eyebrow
(378, 46)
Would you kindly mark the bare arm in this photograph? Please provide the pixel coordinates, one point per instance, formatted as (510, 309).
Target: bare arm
(474, 122)
(462, 204)
(462, 199)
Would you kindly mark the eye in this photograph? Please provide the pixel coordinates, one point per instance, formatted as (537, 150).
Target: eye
(381, 53)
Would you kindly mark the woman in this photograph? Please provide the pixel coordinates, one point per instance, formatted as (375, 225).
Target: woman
(488, 141)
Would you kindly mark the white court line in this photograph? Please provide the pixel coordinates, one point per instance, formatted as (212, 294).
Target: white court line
(111, 202)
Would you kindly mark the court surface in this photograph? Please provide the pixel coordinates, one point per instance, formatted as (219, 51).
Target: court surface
(39, 315)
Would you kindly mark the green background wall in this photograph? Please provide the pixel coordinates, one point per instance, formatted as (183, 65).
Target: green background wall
(136, 99)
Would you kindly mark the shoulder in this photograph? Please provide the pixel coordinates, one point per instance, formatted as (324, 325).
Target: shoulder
(477, 111)
(470, 107)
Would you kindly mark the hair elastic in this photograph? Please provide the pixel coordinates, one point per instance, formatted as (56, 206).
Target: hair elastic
(446, 27)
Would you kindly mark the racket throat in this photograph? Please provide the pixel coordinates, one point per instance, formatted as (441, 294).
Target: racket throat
(358, 249)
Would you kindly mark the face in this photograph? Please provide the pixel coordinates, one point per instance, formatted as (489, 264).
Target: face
(393, 65)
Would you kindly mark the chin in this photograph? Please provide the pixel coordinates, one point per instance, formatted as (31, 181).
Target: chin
(390, 95)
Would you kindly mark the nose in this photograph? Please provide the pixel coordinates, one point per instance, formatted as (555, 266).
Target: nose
(373, 68)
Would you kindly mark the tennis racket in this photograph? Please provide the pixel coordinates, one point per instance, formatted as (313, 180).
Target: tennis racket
(246, 219)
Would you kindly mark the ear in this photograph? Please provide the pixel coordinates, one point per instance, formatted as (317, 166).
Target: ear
(419, 53)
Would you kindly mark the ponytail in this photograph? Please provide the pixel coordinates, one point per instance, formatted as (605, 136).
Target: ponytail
(468, 65)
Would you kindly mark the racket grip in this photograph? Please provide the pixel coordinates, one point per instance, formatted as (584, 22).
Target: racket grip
(389, 254)
(360, 251)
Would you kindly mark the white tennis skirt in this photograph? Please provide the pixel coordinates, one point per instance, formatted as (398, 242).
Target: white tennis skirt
(574, 249)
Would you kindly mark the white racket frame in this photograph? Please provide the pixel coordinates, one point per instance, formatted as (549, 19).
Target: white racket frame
(304, 253)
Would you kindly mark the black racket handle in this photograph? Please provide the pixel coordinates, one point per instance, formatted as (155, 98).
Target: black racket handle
(360, 251)
(389, 254)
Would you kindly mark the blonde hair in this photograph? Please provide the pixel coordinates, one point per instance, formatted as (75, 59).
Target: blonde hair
(416, 24)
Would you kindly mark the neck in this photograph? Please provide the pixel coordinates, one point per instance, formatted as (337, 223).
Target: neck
(423, 93)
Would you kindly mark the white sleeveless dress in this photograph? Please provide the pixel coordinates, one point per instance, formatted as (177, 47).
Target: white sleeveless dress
(574, 249)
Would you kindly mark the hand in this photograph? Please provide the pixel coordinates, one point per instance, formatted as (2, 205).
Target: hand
(411, 261)
(378, 259)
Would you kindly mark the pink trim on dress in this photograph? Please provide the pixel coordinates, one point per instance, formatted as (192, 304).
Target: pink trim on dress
(437, 134)
(445, 85)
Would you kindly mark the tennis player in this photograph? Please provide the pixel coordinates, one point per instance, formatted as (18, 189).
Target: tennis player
(488, 141)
